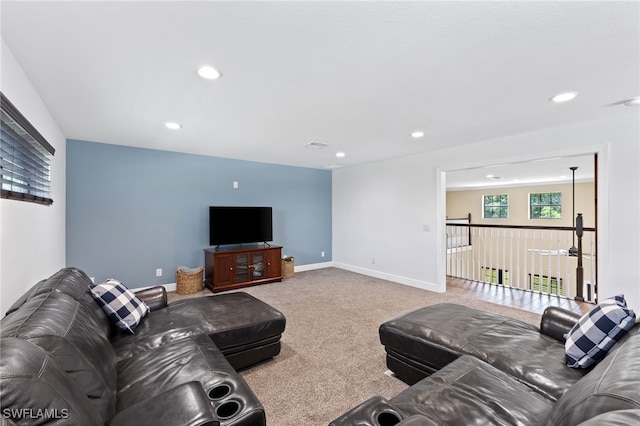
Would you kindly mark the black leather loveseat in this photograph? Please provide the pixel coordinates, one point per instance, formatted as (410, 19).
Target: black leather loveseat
(62, 360)
(470, 367)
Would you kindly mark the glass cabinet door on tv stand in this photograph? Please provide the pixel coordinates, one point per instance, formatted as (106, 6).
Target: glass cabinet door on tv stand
(248, 266)
(257, 266)
(241, 270)
(229, 268)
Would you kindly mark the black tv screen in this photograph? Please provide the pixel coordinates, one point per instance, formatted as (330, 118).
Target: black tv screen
(238, 225)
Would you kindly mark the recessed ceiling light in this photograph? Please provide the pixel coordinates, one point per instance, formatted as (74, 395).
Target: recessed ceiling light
(340, 154)
(493, 177)
(417, 134)
(209, 72)
(633, 102)
(563, 97)
(172, 125)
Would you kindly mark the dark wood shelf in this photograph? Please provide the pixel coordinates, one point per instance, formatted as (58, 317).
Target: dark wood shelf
(242, 266)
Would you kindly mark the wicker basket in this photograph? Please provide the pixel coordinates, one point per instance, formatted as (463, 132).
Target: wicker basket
(188, 280)
(287, 267)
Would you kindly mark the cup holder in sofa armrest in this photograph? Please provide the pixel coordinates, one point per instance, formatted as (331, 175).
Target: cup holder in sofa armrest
(219, 391)
(387, 418)
(185, 404)
(376, 411)
(224, 409)
(228, 409)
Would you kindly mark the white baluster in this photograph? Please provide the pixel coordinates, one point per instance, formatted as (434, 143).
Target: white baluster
(592, 264)
(469, 253)
(490, 255)
(540, 259)
(533, 261)
(504, 254)
(567, 276)
(558, 268)
(549, 257)
(511, 259)
(455, 249)
(516, 276)
(449, 250)
(524, 269)
(484, 255)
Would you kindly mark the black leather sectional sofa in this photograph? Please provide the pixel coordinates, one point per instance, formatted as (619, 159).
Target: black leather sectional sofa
(61, 359)
(470, 367)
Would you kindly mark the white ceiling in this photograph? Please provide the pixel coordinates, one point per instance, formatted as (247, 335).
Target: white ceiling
(359, 76)
(545, 171)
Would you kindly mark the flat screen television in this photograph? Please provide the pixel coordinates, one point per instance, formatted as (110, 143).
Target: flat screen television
(239, 225)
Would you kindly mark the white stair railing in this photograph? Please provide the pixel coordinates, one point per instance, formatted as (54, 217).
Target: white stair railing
(523, 257)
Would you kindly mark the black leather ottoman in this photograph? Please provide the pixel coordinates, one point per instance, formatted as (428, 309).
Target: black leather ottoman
(245, 329)
(423, 341)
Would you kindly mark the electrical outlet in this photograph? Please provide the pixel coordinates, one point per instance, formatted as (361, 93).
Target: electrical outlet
(235, 185)
(321, 254)
(159, 272)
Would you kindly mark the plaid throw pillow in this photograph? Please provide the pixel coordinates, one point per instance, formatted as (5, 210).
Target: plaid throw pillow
(122, 307)
(591, 338)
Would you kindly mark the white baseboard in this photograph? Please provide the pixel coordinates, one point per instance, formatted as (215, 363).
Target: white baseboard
(425, 285)
(168, 287)
(312, 266)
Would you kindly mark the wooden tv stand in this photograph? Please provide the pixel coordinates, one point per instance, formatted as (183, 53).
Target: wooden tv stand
(241, 266)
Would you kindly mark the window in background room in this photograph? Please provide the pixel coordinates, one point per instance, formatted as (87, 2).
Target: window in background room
(495, 206)
(545, 205)
(496, 276)
(25, 156)
(545, 284)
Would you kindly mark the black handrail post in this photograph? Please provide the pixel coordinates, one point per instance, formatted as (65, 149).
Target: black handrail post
(572, 250)
(579, 270)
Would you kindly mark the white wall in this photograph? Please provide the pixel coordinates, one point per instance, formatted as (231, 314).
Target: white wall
(379, 212)
(379, 209)
(32, 236)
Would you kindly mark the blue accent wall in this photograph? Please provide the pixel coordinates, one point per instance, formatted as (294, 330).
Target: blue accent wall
(132, 210)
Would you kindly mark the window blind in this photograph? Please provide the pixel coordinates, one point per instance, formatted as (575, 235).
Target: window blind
(25, 158)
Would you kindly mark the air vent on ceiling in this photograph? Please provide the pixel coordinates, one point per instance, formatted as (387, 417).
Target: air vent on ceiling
(316, 145)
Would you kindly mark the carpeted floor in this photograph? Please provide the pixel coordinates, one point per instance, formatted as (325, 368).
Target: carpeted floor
(331, 358)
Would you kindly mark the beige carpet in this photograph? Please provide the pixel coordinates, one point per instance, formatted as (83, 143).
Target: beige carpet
(331, 357)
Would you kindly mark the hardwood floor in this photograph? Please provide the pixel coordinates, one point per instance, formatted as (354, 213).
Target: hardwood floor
(520, 299)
